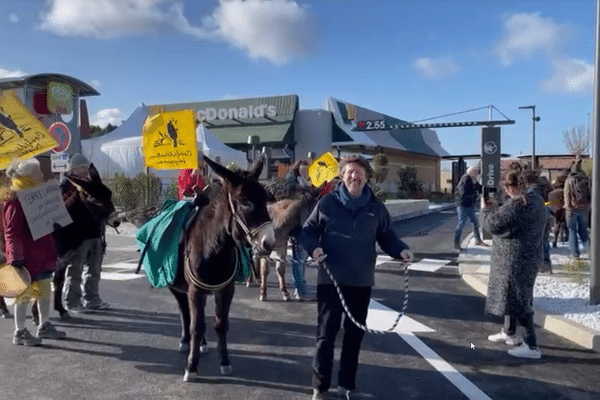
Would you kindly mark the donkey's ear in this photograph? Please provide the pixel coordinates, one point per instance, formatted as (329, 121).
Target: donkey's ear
(223, 172)
(80, 184)
(94, 174)
(257, 167)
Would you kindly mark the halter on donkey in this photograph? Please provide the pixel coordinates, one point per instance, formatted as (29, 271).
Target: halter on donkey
(235, 215)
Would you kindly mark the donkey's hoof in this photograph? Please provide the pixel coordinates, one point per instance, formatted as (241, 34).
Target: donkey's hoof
(262, 297)
(189, 376)
(203, 348)
(184, 347)
(64, 315)
(226, 369)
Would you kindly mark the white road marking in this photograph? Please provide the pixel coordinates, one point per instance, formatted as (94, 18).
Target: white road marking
(121, 272)
(381, 317)
(426, 264)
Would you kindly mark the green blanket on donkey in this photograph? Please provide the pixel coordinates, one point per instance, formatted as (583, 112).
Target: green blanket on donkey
(161, 235)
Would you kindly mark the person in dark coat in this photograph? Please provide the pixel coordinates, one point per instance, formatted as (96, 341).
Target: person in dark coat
(517, 229)
(344, 227)
(467, 191)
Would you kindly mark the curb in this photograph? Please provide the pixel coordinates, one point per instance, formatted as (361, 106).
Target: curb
(563, 327)
(422, 212)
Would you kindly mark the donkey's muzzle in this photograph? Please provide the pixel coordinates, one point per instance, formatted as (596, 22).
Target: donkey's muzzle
(263, 238)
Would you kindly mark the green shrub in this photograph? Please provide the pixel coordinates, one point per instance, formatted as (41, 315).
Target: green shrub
(409, 187)
(131, 193)
(172, 193)
(148, 187)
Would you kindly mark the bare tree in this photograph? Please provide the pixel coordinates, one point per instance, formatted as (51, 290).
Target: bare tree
(577, 140)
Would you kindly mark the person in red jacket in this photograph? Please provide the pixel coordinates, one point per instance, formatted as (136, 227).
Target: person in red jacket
(38, 257)
(190, 181)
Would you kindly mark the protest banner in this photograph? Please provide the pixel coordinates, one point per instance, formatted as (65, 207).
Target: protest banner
(169, 140)
(22, 135)
(323, 169)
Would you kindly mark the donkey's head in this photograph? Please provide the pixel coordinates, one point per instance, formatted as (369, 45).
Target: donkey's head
(247, 201)
(97, 196)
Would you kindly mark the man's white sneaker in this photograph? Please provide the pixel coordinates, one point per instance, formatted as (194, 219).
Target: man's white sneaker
(513, 340)
(524, 351)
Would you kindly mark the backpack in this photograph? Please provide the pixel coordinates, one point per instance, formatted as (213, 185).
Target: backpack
(580, 191)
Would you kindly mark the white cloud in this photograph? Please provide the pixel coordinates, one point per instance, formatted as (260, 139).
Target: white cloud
(13, 18)
(437, 68)
(107, 116)
(276, 30)
(5, 73)
(571, 76)
(526, 34)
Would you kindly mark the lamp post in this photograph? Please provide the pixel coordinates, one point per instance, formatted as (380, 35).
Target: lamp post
(535, 119)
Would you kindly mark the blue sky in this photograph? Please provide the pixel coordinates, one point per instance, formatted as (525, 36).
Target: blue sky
(409, 59)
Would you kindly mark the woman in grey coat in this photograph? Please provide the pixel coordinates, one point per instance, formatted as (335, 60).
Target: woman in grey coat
(517, 254)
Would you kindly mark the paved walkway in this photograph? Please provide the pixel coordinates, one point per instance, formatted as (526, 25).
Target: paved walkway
(474, 266)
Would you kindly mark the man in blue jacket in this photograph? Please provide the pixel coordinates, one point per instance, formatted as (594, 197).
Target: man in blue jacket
(344, 227)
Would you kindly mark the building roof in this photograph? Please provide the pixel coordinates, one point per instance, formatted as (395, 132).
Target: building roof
(80, 88)
(345, 115)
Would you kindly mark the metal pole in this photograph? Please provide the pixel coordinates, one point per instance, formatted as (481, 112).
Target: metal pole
(533, 166)
(595, 240)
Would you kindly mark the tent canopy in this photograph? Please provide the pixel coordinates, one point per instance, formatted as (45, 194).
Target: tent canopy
(120, 151)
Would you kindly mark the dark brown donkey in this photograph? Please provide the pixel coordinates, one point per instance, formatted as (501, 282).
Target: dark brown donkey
(236, 214)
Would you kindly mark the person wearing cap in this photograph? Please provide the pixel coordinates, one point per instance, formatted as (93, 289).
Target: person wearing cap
(38, 257)
(82, 268)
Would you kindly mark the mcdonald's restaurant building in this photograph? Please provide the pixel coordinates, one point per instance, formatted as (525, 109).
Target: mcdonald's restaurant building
(288, 134)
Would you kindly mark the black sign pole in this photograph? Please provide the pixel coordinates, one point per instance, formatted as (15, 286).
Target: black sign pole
(490, 160)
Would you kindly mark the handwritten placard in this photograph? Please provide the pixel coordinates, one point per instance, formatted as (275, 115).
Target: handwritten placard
(44, 207)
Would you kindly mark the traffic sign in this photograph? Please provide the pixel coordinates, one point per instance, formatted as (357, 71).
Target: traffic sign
(62, 135)
(59, 162)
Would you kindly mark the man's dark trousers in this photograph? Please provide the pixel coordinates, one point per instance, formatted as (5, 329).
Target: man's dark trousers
(330, 312)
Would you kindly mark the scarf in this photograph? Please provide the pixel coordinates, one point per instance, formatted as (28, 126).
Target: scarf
(353, 203)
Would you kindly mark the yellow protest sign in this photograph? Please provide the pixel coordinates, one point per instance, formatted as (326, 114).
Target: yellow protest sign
(323, 169)
(169, 140)
(22, 135)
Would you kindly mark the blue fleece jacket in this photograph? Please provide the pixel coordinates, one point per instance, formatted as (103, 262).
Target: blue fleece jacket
(347, 235)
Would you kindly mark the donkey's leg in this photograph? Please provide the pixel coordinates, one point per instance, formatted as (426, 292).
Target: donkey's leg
(184, 313)
(264, 273)
(4, 309)
(223, 301)
(196, 301)
(35, 315)
(280, 268)
(58, 281)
